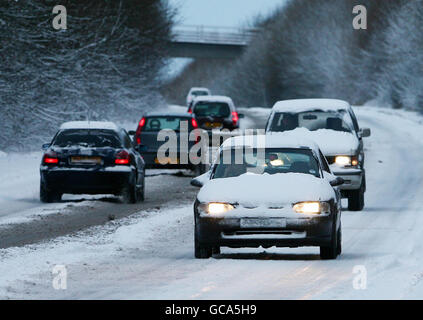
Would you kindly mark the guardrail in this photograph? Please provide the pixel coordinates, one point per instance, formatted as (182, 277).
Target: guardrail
(213, 35)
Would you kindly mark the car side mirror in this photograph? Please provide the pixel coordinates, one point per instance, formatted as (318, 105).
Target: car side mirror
(337, 182)
(131, 133)
(241, 116)
(365, 133)
(201, 180)
(45, 146)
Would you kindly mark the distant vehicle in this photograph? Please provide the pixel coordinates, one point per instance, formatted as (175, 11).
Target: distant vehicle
(215, 112)
(333, 125)
(146, 138)
(91, 158)
(287, 197)
(197, 92)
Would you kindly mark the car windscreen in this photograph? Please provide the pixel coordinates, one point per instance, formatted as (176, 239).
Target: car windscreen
(313, 121)
(199, 93)
(158, 123)
(94, 138)
(235, 162)
(212, 109)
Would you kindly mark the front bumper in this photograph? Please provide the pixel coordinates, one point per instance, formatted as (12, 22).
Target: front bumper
(316, 231)
(109, 180)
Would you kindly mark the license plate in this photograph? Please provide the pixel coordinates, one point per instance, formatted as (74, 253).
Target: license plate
(263, 223)
(213, 124)
(167, 161)
(86, 160)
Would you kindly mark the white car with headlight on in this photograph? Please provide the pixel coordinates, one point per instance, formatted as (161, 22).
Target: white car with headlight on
(267, 191)
(333, 125)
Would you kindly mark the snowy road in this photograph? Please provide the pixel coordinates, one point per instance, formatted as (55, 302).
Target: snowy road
(150, 254)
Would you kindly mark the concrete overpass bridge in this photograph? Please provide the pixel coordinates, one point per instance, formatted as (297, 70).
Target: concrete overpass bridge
(209, 42)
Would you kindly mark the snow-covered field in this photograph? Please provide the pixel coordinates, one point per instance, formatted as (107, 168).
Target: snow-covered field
(150, 254)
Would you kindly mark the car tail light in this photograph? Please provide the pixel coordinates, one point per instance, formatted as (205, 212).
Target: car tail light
(194, 123)
(139, 129)
(50, 158)
(235, 118)
(122, 158)
(190, 110)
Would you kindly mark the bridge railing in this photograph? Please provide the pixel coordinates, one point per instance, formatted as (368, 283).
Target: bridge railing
(212, 35)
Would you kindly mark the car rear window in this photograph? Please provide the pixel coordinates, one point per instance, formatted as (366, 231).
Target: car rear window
(199, 93)
(165, 123)
(212, 109)
(88, 138)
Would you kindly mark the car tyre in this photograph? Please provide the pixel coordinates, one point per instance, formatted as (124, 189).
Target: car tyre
(48, 196)
(130, 194)
(339, 240)
(330, 252)
(201, 252)
(141, 191)
(216, 250)
(356, 199)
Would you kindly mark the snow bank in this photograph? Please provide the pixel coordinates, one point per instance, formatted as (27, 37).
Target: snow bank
(331, 142)
(3, 154)
(266, 190)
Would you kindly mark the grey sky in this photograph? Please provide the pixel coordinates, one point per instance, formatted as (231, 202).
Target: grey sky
(225, 13)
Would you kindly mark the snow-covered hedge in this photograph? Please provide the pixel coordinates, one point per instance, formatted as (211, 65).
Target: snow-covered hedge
(309, 49)
(105, 64)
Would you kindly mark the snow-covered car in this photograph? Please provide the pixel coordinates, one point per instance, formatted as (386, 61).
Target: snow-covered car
(147, 133)
(333, 125)
(267, 191)
(197, 92)
(91, 158)
(215, 112)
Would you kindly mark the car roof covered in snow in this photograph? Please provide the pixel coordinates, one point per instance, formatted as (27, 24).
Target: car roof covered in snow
(169, 114)
(89, 125)
(213, 99)
(304, 105)
(199, 89)
(270, 141)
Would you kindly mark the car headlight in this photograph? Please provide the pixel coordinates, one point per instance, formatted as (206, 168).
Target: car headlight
(313, 207)
(215, 208)
(346, 161)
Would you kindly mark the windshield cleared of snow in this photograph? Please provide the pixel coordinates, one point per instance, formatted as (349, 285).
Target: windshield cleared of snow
(235, 162)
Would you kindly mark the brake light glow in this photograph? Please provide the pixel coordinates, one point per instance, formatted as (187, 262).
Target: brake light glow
(235, 118)
(194, 123)
(50, 158)
(122, 158)
(138, 133)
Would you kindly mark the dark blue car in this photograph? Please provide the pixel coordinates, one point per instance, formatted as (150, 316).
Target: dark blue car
(92, 158)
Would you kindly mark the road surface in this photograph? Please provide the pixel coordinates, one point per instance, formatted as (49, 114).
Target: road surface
(149, 255)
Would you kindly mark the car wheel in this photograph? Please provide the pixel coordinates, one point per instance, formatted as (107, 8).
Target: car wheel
(130, 194)
(356, 199)
(141, 191)
(330, 252)
(339, 239)
(201, 252)
(216, 250)
(48, 196)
